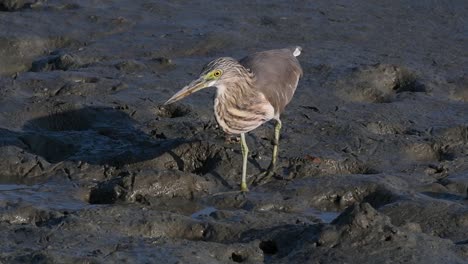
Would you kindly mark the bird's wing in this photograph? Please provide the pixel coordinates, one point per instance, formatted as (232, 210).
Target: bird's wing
(277, 73)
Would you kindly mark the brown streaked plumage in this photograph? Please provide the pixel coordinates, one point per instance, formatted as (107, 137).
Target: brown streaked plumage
(250, 92)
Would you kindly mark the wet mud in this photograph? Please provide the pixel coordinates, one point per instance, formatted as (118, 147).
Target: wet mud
(373, 160)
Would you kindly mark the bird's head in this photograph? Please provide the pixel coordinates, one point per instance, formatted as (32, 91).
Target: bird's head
(214, 73)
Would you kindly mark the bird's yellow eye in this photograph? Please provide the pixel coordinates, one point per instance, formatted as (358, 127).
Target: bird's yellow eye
(217, 73)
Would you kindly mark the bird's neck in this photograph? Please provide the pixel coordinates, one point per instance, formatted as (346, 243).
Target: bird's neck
(237, 88)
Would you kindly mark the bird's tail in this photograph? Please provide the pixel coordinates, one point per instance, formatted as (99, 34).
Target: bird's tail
(297, 51)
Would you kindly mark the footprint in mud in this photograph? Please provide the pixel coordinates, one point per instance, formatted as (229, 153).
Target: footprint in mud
(173, 111)
(378, 84)
(198, 157)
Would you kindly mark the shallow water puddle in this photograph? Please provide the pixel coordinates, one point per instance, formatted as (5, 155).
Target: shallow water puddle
(203, 212)
(326, 216)
(11, 187)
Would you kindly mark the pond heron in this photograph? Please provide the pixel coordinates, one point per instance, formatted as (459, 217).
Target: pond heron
(250, 92)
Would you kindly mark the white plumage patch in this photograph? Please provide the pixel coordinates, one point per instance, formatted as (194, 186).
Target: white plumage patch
(268, 108)
(297, 51)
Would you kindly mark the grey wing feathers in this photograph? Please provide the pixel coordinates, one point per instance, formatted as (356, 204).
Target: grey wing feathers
(277, 73)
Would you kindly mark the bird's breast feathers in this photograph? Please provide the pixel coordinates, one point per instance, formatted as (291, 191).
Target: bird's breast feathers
(235, 120)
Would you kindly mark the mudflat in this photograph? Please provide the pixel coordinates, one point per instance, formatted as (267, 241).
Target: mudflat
(373, 161)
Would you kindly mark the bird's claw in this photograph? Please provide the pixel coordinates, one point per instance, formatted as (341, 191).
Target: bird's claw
(265, 176)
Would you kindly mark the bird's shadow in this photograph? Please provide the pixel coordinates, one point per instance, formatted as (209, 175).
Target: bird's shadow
(95, 135)
(102, 136)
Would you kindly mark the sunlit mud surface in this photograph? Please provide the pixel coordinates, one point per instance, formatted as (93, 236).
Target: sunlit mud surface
(373, 161)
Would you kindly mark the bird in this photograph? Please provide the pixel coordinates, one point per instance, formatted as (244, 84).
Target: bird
(250, 92)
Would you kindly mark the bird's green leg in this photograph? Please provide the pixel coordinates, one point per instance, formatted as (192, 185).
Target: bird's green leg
(271, 169)
(275, 146)
(245, 153)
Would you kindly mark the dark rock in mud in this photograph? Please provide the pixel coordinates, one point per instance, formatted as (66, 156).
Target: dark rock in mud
(56, 61)
(14, 5)
(130, 66)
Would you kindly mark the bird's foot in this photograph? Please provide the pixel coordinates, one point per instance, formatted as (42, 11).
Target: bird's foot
(265, 176)
(243, 190)
(244, 187)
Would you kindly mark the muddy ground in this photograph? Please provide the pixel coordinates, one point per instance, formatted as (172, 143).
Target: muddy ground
(373, 155)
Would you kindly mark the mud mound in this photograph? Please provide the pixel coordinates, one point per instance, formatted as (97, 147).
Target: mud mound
(367, 230)
(56, 61)
(459, 90)
(378, 83)
(148, 185)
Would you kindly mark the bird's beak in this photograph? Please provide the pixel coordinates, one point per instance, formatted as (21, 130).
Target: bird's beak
(193, 87)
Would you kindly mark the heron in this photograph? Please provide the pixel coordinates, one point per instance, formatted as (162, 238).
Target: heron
(250, 92)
